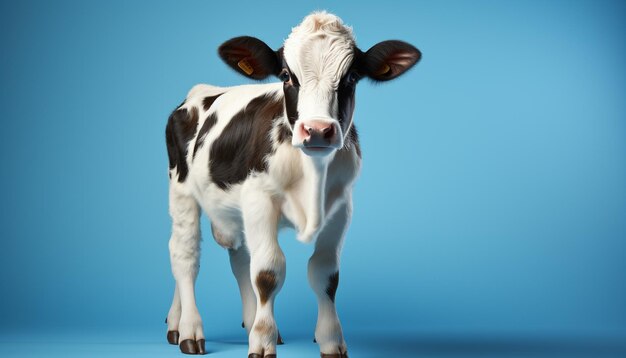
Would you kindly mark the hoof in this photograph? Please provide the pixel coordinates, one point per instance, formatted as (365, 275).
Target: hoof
(189, 346)
(172, 337)
(279, 341)
(335, 355)
(254, 355)
(270, 356)
(200, 345)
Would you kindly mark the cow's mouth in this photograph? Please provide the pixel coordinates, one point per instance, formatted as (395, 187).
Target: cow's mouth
(317, 150)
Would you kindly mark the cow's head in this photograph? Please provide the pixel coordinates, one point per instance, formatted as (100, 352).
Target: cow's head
(320, 66)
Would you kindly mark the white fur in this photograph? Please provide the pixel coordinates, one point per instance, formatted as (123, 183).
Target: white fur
(310, 194)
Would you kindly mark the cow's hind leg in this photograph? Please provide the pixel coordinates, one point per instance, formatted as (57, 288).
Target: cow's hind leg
(267, 266)
(240, 264)
(324, 279)
(184, 322)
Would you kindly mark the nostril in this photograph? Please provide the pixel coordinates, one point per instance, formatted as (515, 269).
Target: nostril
(328, 132)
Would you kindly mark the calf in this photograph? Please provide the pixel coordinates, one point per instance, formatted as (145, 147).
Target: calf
(257, 158)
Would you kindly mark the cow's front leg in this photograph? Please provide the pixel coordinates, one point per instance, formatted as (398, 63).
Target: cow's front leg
(324, 279)
(267, 266)
(184, 322)
(240, 264)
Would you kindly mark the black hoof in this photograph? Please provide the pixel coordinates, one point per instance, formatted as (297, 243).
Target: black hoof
(172, 337)
(279, 340)
(270, 356)
(188, 346)
(254, 355)
(200, 346)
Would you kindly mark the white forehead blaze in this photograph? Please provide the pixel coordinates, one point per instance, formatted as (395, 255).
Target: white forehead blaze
(319, 51)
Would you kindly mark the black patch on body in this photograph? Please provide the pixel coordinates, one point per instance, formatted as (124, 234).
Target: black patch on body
(180, 129)
(208, 123)
(266, 284)
(333, 283)
(204, 130)
(207, 102)
(244, 144)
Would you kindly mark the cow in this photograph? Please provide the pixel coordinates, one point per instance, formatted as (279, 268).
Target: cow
(258, 158)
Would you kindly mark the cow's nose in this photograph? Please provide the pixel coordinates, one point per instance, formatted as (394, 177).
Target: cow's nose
(316, 133)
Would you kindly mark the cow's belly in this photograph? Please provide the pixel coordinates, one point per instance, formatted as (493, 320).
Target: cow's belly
(223, 210)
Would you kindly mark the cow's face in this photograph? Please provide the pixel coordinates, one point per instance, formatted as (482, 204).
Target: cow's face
(320, 67)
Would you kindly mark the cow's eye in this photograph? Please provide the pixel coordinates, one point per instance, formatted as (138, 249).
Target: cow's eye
(284, 75)
(352, 77)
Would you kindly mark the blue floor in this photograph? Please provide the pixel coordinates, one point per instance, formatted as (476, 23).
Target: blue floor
(369, 344)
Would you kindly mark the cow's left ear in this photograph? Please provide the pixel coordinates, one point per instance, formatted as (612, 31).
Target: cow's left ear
(250, 56)
(389, 59)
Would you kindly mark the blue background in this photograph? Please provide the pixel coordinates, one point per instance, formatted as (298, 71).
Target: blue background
(490, 216)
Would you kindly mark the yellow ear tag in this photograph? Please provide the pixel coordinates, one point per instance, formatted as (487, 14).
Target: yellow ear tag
(383, 70)
(245, 67)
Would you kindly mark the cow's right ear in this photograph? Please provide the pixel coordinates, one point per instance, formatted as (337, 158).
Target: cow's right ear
(250, 56)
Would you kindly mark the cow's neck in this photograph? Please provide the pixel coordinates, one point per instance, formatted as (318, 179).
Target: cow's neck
(313, 187)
